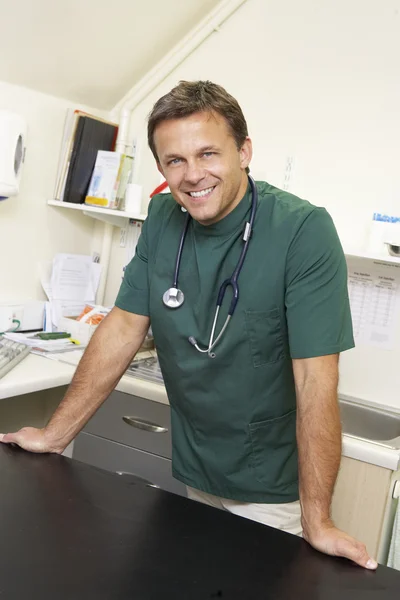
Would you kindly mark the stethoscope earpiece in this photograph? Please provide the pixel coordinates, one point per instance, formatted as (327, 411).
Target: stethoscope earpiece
(174, 297)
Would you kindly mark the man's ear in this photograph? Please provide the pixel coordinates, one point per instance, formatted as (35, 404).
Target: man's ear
(246, 153)
(159, 167)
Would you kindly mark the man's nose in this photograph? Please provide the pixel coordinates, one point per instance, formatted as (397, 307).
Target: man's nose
(194, 173)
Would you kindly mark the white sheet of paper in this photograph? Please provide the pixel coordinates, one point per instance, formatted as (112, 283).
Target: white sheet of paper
(72, 277)
(70, 282)
(374, 292)
(39, 345)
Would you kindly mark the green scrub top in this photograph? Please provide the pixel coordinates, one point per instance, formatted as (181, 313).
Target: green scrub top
(234, 416)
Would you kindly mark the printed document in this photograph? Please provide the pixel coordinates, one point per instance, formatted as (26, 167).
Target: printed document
(70, 282)
(374, 290)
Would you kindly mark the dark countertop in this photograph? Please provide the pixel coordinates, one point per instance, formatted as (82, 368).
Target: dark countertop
(70, 531)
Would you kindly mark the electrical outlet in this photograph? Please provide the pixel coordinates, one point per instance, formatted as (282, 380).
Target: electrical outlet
(18, 315)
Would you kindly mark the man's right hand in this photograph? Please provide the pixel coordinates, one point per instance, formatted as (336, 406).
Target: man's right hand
(111, 349)
(31, 439)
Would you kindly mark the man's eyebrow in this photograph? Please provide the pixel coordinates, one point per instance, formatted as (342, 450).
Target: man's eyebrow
(200, 151)
(207, 149)
(168, 156)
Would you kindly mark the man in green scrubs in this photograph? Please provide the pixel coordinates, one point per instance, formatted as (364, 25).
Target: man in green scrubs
(255, 427)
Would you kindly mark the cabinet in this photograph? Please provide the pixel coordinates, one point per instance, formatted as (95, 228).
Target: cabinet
(131, 436)
(360, 500)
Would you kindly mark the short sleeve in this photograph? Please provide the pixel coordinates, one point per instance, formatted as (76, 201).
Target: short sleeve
(317, 303)
(133, 295)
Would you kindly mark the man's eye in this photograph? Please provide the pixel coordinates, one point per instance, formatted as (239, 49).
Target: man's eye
(174, 161)
(207, 154)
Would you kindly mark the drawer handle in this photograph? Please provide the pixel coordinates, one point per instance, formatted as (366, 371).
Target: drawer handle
(138, 479)
(146, 425)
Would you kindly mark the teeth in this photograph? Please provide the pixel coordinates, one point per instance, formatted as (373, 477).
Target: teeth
(202, 193)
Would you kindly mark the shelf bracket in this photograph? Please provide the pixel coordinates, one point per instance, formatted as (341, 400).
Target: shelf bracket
(115, 221)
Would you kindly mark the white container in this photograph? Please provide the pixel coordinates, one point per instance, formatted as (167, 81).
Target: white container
(12, 152)
(79, 330)
(133, 198)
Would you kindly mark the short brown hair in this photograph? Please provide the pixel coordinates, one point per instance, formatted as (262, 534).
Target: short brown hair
(190, 97)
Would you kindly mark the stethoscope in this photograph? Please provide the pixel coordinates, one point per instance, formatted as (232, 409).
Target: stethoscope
(174, 297)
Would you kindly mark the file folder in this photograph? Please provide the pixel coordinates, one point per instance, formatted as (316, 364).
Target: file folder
(91, 136)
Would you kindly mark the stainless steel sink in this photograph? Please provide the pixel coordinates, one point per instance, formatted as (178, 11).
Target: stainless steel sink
(370, 423)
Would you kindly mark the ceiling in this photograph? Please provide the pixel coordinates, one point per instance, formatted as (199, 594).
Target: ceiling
(90, 51)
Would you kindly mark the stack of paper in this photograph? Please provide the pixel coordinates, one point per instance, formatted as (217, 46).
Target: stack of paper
(39, 346)
(70, 282)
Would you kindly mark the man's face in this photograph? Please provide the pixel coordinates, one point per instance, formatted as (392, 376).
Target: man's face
(203, 167)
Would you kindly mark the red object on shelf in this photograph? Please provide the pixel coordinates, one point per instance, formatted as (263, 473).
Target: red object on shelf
(159, 189)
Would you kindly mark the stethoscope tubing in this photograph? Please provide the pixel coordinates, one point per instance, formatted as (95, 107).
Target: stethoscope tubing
(180, 250)
(231, 282)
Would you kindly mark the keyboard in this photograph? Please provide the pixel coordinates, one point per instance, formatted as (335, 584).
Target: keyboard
(11, 353)
(147, 369)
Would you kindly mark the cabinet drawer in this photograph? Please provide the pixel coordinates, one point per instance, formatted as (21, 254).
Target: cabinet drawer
(111, 456)
(135, 422)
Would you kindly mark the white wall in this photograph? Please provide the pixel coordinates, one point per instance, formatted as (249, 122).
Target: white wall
(318, 80)
(30, 230)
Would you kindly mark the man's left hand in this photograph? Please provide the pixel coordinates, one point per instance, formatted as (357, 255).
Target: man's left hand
(330, 540)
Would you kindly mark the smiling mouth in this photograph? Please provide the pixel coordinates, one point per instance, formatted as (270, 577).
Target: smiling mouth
(202, 193)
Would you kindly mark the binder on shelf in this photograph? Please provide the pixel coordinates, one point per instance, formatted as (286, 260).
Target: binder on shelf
(91, 136)
(70, 129)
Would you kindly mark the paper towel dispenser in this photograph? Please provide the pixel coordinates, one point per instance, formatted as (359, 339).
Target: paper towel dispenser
(12, 152)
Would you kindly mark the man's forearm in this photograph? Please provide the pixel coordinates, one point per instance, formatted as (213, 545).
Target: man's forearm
(105, 360)
(319, 446)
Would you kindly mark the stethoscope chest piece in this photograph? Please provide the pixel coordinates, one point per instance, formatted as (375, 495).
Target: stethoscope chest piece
(173, 298)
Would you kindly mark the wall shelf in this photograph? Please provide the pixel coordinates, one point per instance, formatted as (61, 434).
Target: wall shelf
(373, 256)
(118, 218)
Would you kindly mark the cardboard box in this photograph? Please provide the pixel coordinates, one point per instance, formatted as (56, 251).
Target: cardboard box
(78, 330)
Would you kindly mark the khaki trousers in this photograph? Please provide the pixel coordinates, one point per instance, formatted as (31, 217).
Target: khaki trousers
(286, 517)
